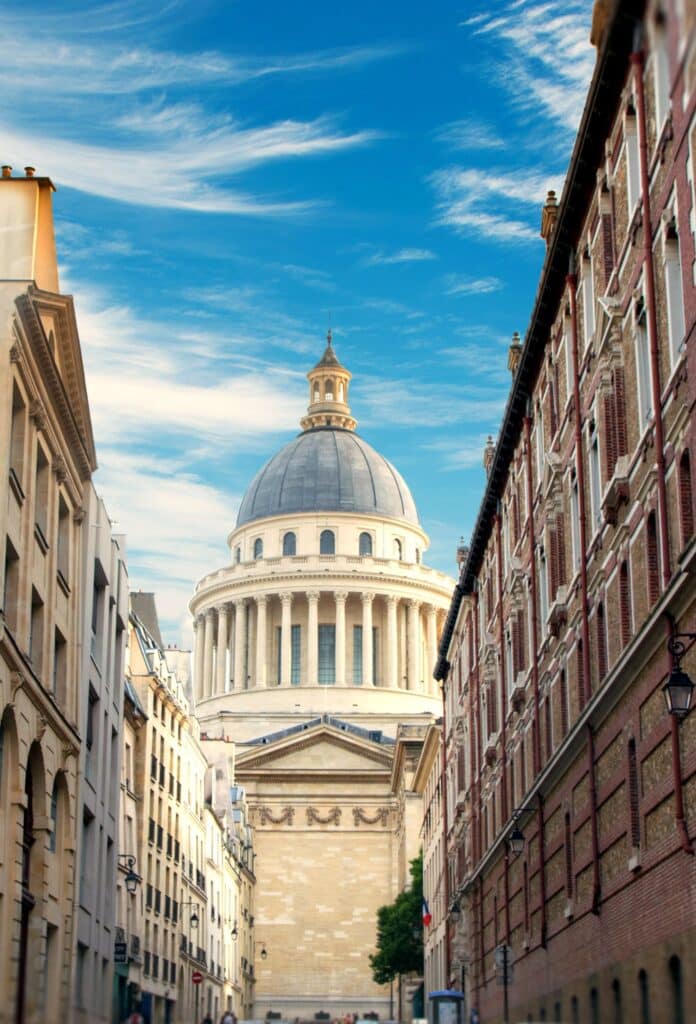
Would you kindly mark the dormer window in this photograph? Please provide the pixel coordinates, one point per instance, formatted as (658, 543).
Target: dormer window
(327, 543)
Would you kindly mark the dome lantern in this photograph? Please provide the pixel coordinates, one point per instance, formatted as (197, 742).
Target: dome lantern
(328, 393)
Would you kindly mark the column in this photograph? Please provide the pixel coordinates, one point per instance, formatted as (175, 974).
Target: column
(432, 646)
(230, 648)
(208, 655)
(312, 637)
(413, 644)
(340, 600)
(198, 628)
(286, 639)
(221, 657)
(367, 677)
(261, 668)
(392, 643)
(239, 640)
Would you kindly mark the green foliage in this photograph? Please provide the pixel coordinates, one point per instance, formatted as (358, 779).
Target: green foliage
(400, 931)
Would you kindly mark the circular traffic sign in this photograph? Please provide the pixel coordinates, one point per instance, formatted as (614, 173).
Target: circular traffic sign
(196, 977)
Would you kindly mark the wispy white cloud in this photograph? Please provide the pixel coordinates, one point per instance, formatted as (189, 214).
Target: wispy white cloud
(459, 453)
(456, 285)
(400, 256)
(469, 134)
(493, 205)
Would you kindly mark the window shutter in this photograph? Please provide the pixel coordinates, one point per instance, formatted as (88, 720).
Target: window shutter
(607, 246)
(601, 643)
(633, 796)
(621, 441)
(625, 604)
(515, 629)
(553, 560)
(609, 436)
(561, 550)
(686, 505)
(653, 571)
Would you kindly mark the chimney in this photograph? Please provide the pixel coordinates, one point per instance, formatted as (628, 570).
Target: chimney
(462, 552)
(601, 13)
(488, 453)
(548, 216)
(28, 252)
(514, 353)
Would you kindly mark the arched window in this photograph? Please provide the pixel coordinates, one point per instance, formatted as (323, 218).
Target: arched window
(594, 1006)
(575, 1010)
(675, 974)
(289, 544)
(238, 554)
(258, 548)
(644, 997)
(327, 543)
(616, 996)
(398, 549)
(686, 506)
(418, 556)
(329, 390)
(365, 544)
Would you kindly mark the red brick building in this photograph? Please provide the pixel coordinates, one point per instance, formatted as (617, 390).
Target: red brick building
(581, 565)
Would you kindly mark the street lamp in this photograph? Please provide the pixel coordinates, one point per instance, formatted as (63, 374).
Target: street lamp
(234, 932)
(455, 912)
(193, 918)
(516, 836)
(264, 952)
(679, 690)
(132, 879)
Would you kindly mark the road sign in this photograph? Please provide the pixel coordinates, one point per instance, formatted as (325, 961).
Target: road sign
(505, 977)
(121, 952)
(196, 977)
(503, 955)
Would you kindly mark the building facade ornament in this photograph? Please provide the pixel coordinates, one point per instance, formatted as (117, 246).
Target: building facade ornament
(332, 818)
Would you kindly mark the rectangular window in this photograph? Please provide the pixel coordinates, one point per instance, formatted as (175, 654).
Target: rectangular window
(661, 77)
(588, 302)
(327, 653)
(643, 371)
(674, 293)
(11, 587)
(575, 523)
(63, 549)
(568, 346)
(543, 593)
(540, 444)
(17, 436)
(375, 657)
(41, 495)
(36, 632)
(595, 478)
(296, 653)
(632, 164)
(357, 655)
(59, 666)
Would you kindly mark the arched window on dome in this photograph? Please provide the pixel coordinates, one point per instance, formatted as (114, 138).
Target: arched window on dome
(398, 549)
(237, 555)
(418, 556)
(289, 544)
(317, 395)
(329, 390)
(340, 391)
(327, 543)
(365, 544)
(258, 548)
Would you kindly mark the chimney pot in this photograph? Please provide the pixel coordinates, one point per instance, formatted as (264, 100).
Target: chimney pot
(514, 353)
(6, 171)
(29, 171)
(548, 216)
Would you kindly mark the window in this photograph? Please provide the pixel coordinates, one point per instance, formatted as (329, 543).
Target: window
(63, 549)
(543, 593)
(9, 599)
(686, 506)
(652, 559)
(588, 302)
(279, 650)
(563, 683)
(59, 666)
(41, 495)
(601, 643)
(548, 728)
(643, 370)
(661, 76)
(539, 436)
(327, 543)
(17, 436)
(568, 346)
(632, 161)
(674, 292)
(594, 1006)
(625, 613)
(633, 794)
(677, 986)
(53, 838)
(575, 522)
(375, 656)
(36, 632)
(357, 655)
(258, 548)
(644, 996)
(595, 477)
(568, 847)
(398, 549)
(296, 652)
(365, 544)
(327, 653)
(289, 544)
(616, 999)
(237, 555)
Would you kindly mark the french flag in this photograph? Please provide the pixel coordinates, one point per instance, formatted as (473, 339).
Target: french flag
(427, 916)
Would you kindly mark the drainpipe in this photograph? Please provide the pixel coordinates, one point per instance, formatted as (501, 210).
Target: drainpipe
(571, 281)
(479, 753)
(445, 829)
(637, 60)
(501, 642)
(536, 745)
(596, 883)
(472, 746)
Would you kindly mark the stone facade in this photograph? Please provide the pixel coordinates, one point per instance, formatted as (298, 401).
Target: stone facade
(581, 566)
(314, 652)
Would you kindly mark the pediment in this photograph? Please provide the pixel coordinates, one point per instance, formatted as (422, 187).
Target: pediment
(66, 386)
(320, 750)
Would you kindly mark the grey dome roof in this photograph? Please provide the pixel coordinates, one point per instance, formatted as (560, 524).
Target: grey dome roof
(327, 470)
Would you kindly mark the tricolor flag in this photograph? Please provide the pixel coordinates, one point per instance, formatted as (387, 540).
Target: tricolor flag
(427, 916)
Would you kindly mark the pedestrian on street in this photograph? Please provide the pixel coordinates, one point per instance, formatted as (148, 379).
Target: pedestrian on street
(207, 1019)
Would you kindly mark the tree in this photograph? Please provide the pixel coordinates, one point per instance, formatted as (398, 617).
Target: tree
(400, 931)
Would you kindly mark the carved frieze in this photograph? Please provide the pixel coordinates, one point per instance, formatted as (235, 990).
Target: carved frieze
(361, 816)
(266, 816)
(332, 818)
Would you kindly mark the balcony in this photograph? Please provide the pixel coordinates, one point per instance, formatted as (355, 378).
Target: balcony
(491, 750)
(518, 691)
(558, 612)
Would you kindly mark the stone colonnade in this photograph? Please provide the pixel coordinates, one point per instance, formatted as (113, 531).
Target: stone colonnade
(232, 635)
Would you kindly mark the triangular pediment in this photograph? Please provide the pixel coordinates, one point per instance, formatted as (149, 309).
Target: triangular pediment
(320, 750)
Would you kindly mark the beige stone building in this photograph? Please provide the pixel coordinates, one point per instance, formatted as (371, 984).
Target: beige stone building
(46, 457)
(313, 645)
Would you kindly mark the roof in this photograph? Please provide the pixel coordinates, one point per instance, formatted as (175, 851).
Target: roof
(329, 358)
(143, 604)
(581, 181)
(328, 469)
(373, 735)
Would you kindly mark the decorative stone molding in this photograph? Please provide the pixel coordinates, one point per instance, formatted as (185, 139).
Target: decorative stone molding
(312, 596)
(60, 469)
(332, 818)
(286, 816)
(37, 414)
(381, 816)
(286, 597)
(16, 683)
(78, 515)
(15, 353)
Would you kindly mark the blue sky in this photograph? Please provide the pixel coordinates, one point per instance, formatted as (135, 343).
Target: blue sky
(232, 175)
